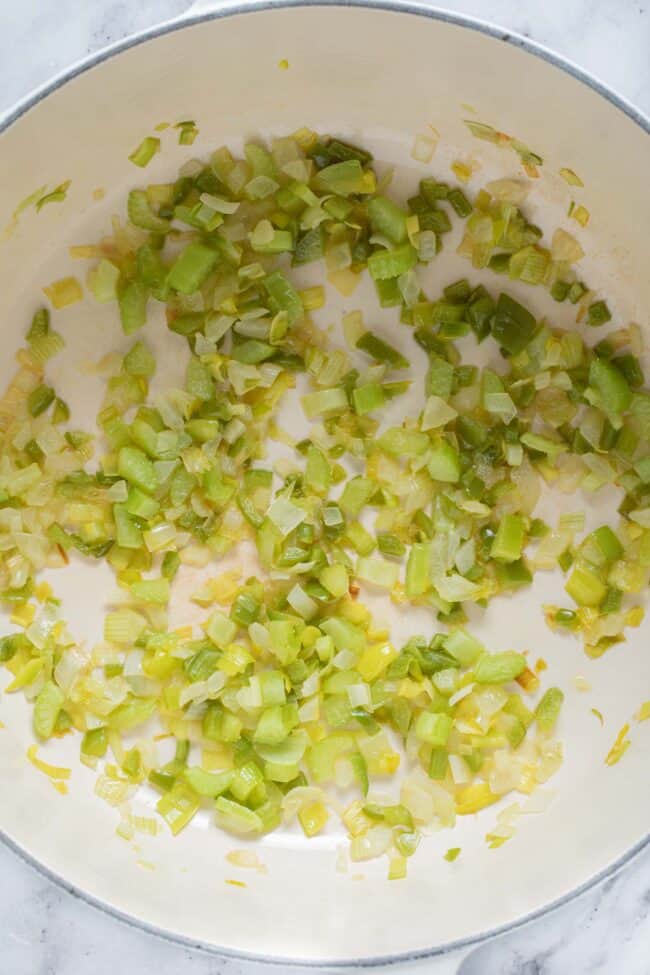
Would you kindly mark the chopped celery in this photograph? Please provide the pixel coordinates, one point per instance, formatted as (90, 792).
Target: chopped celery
(145, 152)
(434, 729)
(403, 442)
(464, 647)
(443, 462)
(192, 267)
(368, 398)
(283, 297)
(47, 708)
(513, 325)
(548, 709)
(132, 300)
(40, 399)
(381, 351)
(103, 281)
(610, 385)
(141, 214)
(509, 539)
(325, 401)
(418, 569)
(136, 468)
(598, 313)
(497, 668)
(285, 682)
(387, 218)
(344, 178)
(585, 588)
(384, 264)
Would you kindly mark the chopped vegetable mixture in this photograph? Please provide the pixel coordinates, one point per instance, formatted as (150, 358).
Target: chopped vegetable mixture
(289, 702)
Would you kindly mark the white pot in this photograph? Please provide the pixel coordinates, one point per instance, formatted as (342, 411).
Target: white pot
(378, 73)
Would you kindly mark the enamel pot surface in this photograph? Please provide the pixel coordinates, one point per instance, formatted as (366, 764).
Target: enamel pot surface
(378, 74)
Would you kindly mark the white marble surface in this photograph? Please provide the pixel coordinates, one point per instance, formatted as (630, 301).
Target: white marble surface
(45, 931)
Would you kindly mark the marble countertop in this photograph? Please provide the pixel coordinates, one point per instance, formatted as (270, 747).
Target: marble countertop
(46, 931)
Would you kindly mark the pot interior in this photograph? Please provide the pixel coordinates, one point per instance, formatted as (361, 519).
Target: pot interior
(378, 77)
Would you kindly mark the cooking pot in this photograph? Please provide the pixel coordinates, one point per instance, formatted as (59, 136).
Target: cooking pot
(378, 73)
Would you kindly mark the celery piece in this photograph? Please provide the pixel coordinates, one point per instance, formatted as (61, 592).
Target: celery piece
(335, 579)
(440, 378)
(209, 784)
(103, 281)
(275, 242)
(359, 539)
(325, 401)
(513, 325)
(439, 764)
(283, 297)
(434, 729)
(252, 351)
(40, 399)
(607, 542)
(388, 292)
(463, 647)
(136, 468)
(321, 757)
(508, 542)
(381, 351)
(317, 471)
(40, 325)
(132, 299)
(95, 742)
(134, 712)
(630, 366)
(145, 152)
(418, 578)
(402, 442)
(274, 725)
(384, 264)
(387, 218)
(598, 314)
(309, 247)
(548, 709)
(368, 398)
(47, 708)
(245, 609)
(343, 178)
(128, 535)
(497, 668)
(611, 385)
(390, 544)
(198, 380)
(513, 575)
(356, 494)
(170, 565)
(139, 361)
(151, 590)
(192, 267)
(443, 462)
(236, 818)
(141, 214)
(585, 588)
(377, 572)
(459, 202)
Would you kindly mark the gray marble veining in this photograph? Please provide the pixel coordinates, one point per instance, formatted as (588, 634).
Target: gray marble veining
(46, 931)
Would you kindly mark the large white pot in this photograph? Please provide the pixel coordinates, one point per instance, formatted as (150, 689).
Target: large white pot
(379, 73)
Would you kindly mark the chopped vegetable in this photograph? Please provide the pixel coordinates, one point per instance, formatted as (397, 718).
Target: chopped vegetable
(57, 195)
(571, 178)
(286, 689)
(145, 152)
(66, 291)
(620, 746)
